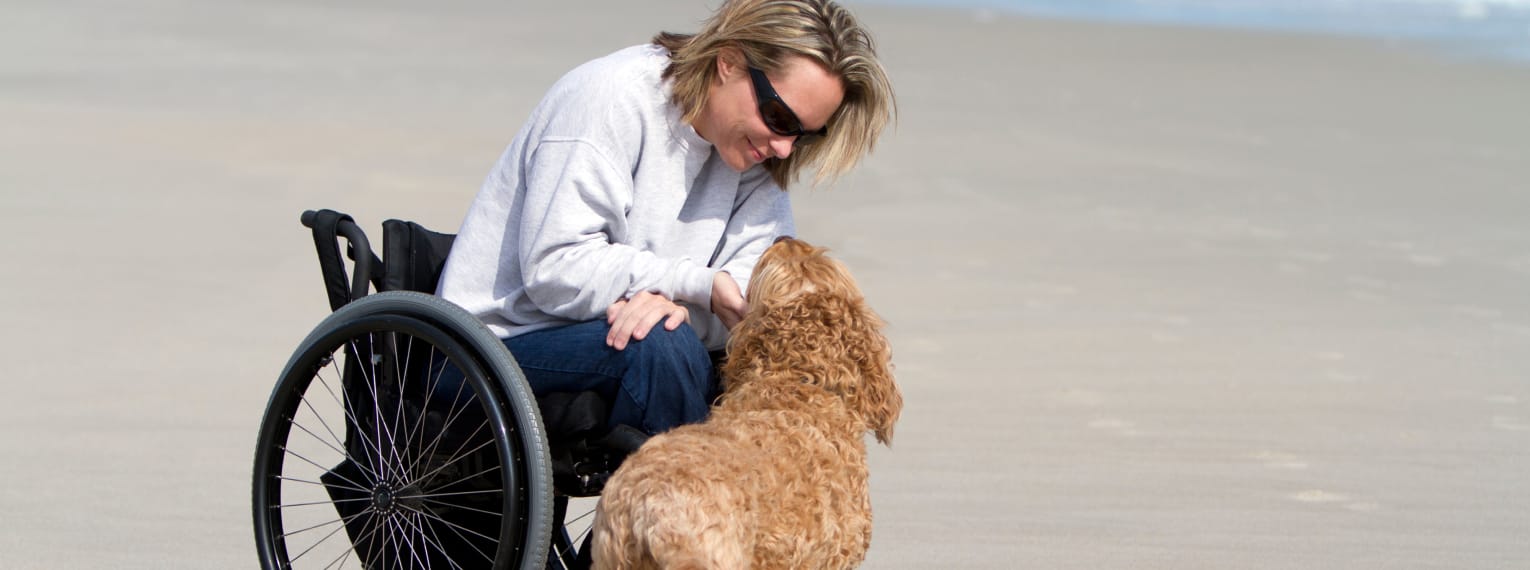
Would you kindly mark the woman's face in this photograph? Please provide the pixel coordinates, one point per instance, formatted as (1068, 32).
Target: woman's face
(731, 119)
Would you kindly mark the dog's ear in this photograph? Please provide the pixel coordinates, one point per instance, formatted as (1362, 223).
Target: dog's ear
(878, 399)
(874, 394)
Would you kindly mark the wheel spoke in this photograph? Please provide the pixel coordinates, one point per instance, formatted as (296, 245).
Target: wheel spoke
(344, 520)
(399, 447)
(320, 417)
(428, 534)
(571, 552)
(459, 493)
(325, 502)
(456, 456)
(580, 517)
(462, 507)
(418, 430)
(327, 485)
(342, 453)
(311, 462)
(351, 416)
(303, 530)
(452, 414)
(383, 429)
(461, 479)
(567, 555)
(424, 541)
(394, 441)
(340, 560)
(374, 545)
(387, 542)
(321, 541)
(370, 383)
(457, 530)
(402, 541)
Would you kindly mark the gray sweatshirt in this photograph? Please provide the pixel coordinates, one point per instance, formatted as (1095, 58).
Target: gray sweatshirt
(605, 193)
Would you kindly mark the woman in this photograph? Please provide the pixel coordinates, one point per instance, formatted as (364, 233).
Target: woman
(644, 187)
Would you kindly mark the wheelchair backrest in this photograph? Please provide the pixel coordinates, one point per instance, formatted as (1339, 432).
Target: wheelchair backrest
(413, 257)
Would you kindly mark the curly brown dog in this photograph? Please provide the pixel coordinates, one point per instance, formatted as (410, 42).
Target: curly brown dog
(776, 476)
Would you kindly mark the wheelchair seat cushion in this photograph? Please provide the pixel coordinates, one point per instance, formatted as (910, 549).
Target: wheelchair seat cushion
(570, 416)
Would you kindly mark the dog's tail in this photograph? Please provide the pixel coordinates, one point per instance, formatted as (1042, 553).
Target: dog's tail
(638, 533)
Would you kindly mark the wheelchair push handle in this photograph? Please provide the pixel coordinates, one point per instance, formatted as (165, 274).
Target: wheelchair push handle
(328, 227)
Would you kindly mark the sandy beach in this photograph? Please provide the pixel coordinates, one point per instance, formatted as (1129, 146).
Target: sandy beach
(1159, 297)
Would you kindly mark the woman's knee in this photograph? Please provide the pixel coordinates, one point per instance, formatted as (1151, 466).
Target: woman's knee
(682, 339)
(669, 380)
(676, 353)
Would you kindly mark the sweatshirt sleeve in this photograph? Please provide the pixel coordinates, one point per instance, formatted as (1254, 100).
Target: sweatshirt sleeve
(573, 267)
(763, 213)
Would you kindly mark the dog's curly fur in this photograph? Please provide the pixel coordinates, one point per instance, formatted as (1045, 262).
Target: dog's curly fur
(776, 477)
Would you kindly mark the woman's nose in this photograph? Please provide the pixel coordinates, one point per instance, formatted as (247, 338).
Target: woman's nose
(782, 146)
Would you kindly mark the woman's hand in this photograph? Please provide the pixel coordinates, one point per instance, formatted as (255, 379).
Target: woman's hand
(727, 301)
(632, 319)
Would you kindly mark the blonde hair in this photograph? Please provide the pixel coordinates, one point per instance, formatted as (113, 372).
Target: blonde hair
(770, 31)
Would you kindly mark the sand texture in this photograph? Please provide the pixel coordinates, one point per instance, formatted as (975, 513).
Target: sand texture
(1159, 297)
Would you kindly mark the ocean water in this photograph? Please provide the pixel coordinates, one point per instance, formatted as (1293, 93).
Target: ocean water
(1472, 28)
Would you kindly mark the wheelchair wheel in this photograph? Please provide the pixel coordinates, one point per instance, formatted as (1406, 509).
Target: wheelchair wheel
(401, 434)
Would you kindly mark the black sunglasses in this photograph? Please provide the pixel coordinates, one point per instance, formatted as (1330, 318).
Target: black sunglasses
(778, 117)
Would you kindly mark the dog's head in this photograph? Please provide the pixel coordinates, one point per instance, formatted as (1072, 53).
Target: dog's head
(807, 319)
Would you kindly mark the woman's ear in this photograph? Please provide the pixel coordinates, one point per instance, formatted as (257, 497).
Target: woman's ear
(730, 62)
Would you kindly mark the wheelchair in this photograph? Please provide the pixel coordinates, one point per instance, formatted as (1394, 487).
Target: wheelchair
(402, 434)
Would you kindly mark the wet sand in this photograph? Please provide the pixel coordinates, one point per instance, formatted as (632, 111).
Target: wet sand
(1160, 297)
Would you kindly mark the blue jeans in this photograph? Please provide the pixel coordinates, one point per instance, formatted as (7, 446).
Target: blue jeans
(655, 384)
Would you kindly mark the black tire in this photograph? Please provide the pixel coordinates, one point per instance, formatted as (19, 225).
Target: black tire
(396, 462)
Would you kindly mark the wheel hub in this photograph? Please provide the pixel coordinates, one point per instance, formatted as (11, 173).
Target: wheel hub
(387, 498)
(383, 498)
